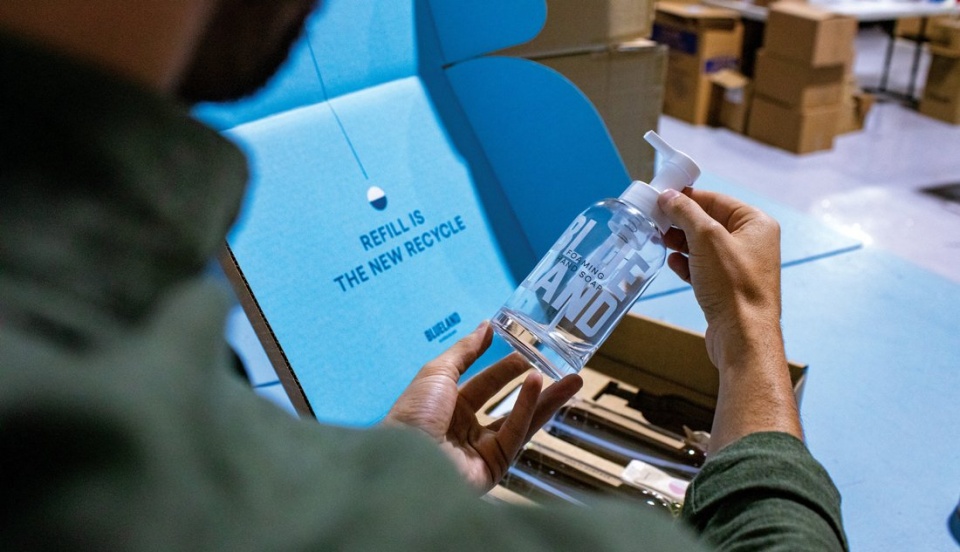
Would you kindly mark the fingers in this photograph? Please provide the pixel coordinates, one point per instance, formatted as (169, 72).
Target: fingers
(513, 433)
(487, 383)
(548, 403)
(696, 209)
(680, 265)
(683, 211)
(676, 239)
(551, 400)
(454, 361)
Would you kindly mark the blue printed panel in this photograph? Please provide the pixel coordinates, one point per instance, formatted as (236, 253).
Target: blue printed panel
(395, 285)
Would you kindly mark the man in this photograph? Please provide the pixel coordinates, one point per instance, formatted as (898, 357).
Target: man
(121, 425)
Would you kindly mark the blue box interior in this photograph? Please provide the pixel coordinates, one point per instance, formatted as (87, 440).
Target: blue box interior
(404, 182)
(482, 161)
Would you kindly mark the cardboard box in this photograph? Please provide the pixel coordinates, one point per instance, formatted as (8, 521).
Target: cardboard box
(941, 95)
(625, 84)
(454, 173)
(575, 25)
(730, 100)
(795, 130)
(855, 107)
(810, 35)
(795, 84)
(768, 3)
(910, 27)
(702, 41)
(946, 33)
(644, 354)
(853, 112)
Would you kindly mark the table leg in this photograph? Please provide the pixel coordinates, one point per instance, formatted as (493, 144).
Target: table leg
(915, 67)
(888, 57)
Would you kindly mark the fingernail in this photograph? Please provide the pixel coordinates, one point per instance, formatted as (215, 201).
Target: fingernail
(669, 194)
(481, 327)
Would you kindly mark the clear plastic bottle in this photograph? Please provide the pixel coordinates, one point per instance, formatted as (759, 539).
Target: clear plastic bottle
(564, 310)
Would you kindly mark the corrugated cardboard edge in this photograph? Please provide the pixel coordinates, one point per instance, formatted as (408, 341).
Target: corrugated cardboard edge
(271, 346)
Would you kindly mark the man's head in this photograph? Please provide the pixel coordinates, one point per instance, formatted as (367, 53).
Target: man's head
(199, 50)
(243, 45)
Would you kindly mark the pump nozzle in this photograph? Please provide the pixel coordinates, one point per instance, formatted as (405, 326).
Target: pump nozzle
(673, 160)
(677, 171)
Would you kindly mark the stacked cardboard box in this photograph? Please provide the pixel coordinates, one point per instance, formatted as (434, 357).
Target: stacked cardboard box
(702, 41)
(855, 105)
(913, 28)
(799, 77)
(601, 47)
(729, 100)
(941, 95)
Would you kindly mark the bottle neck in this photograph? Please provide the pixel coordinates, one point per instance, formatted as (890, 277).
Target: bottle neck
(643, 198)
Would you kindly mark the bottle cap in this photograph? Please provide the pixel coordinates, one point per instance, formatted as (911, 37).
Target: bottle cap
(677, 171)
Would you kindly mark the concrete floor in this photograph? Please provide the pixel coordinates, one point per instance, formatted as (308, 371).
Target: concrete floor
(870, 185)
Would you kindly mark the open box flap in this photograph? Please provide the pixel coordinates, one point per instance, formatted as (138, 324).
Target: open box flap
(358, 44)
(385, 214)
(546, 142)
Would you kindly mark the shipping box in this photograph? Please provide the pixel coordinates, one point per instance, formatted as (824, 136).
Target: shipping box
(946, 33)
(400, 192)
(625, 83)
(809, 35)
(911, 27)
(855, 106)
(941, 94)
(575, 25)
(853, 112)
(641, 354)
(768, 3)
(730, 100)
(796, 84)
(702, 41)
(798, 131)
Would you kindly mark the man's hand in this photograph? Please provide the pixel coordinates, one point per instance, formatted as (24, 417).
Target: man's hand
(434, 404)
(730, 253)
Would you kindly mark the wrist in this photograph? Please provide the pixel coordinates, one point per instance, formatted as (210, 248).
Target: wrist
(752, 337)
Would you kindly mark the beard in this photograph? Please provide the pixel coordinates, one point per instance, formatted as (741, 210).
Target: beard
(244, 44)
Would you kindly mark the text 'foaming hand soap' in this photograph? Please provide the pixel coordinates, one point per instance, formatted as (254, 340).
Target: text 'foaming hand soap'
(593, 274)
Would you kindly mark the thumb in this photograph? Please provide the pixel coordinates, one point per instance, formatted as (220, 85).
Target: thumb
(683, 212)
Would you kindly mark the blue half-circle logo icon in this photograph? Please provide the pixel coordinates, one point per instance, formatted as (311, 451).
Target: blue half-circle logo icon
(377, 198)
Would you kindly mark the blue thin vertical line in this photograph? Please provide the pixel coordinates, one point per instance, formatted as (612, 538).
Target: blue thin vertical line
(343, 131)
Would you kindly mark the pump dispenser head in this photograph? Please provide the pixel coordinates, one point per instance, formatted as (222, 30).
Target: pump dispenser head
(677, 171)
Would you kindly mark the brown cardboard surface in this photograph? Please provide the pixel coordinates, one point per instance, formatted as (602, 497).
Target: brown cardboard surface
(941, 94)
(729, 100)
(702, 41)
(626, 84)
(642, 353)
(655, 356)
(809, 35)
(909, 27)
(768, 3)
(797, 84)
(944, 110)
(798, 131)
(576, 25)
(946, 33)
(853, 112)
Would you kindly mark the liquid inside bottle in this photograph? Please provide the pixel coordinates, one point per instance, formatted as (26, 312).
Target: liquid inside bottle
(568, 305)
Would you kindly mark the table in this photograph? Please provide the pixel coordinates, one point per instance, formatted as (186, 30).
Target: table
(880, 402)
(885, 12)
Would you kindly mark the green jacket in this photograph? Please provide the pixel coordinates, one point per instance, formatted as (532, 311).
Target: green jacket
(122, 425)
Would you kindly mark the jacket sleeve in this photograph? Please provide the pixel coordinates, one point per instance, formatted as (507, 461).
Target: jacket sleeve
(765, 492)
(147, 440)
